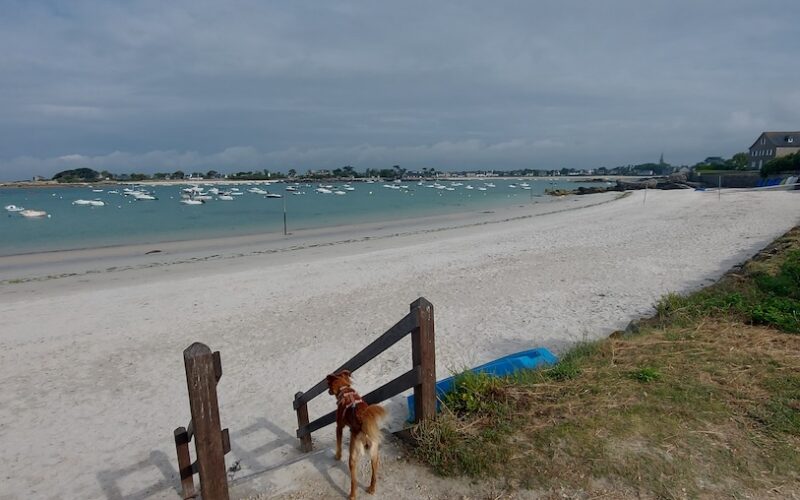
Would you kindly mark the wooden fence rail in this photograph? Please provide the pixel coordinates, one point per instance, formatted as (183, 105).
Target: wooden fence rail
(422, 376)
(203, 371)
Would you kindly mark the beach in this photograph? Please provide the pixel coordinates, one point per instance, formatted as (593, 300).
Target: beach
(91, 340)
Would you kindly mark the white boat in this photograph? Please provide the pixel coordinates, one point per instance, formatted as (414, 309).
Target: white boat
(512, 186)
(488, 184)
(192, 202)
(273, 195)
(468, 187)
(203, 197)
(33, 213)
(323, 190)
(143, 197)
(237, 193)
(14, 208)
(91, 203)
(213, 190)
(524, 184)
(113, 191)
(256, 191)
(481, 189)
(291, 188)
(339, 192)
(298, 193)
(97, 190)
(225, 197)
(349, 188)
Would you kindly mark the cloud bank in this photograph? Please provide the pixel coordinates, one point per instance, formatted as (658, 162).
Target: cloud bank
(193, 85)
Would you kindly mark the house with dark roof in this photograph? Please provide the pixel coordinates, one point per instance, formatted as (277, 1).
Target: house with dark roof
(770, 145)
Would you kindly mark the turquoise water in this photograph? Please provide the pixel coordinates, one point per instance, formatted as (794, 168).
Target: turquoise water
(124, 220)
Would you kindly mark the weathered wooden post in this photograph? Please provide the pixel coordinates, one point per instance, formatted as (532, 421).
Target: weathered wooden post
(202, 372)
(423, 355)
(302, 421)
(184, 463)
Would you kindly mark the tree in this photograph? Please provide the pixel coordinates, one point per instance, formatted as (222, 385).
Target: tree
(178, 174)
(292, 172)
(77, 175)
(783, 164)
(739, 161)
(105, 174)
(212, 174)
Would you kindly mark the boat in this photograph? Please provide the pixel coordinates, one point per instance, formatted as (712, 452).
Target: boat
(225, 197)
(91, 203)
(468, 187)
(339, 192)
(14, 208)
(192, 202)
(481, 189)
(97, 190)
(273, 195)
(291, 188)
(256, 191)
(33, 213)
(512, 186)
(143, 196)
(324, 190)
(531, 359)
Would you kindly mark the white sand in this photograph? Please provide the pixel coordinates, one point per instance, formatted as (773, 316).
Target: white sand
(93, 381)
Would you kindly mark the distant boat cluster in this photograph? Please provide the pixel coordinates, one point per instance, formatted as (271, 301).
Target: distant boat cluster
(200, 194)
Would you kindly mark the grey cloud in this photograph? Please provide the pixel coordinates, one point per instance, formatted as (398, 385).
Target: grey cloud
(317, 84)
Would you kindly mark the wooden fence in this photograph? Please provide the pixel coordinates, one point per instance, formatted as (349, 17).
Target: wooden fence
(203, 371)
(422, 376)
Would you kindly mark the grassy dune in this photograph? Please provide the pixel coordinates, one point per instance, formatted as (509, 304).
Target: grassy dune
(702, 400)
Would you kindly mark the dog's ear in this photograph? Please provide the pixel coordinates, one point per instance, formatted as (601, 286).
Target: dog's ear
(346, 373)
(330, 378)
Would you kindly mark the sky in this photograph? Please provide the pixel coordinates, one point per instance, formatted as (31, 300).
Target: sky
(195, 85)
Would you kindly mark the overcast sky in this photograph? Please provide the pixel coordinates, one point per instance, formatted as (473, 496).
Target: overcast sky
(229, 85)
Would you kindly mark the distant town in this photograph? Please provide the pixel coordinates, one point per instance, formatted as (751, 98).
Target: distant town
(771, 153)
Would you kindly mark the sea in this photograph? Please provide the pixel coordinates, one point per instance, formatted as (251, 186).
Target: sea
(123, 220)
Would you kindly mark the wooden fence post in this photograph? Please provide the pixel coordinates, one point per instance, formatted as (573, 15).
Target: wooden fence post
(201, 378)
(184, 463)
(423, 354)
(302, 421)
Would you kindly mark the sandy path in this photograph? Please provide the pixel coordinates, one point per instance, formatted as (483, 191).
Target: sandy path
(93, 381)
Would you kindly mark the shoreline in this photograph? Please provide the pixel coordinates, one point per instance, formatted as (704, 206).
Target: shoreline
(64, 262)
(102, 351)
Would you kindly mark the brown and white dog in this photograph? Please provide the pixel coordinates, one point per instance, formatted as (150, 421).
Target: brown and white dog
(363, 421)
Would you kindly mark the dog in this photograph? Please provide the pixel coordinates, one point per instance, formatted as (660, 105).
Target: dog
(363, 421)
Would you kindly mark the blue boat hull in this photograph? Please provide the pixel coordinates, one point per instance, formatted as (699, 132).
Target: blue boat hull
(525, 360)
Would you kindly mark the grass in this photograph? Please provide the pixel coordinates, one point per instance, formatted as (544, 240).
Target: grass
(704, 401)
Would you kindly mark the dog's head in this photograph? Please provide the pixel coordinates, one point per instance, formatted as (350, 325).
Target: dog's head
(338, 380)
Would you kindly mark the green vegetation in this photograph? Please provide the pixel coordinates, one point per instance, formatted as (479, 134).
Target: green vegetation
(703, 401)
(788, 163)
(77, 175)
(739, 161)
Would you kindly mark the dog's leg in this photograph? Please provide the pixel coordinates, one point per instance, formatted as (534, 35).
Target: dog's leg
(339, 429)
(353, 462)
(375, 459)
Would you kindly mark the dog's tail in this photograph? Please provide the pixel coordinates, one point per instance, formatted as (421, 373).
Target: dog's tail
(371, 421)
